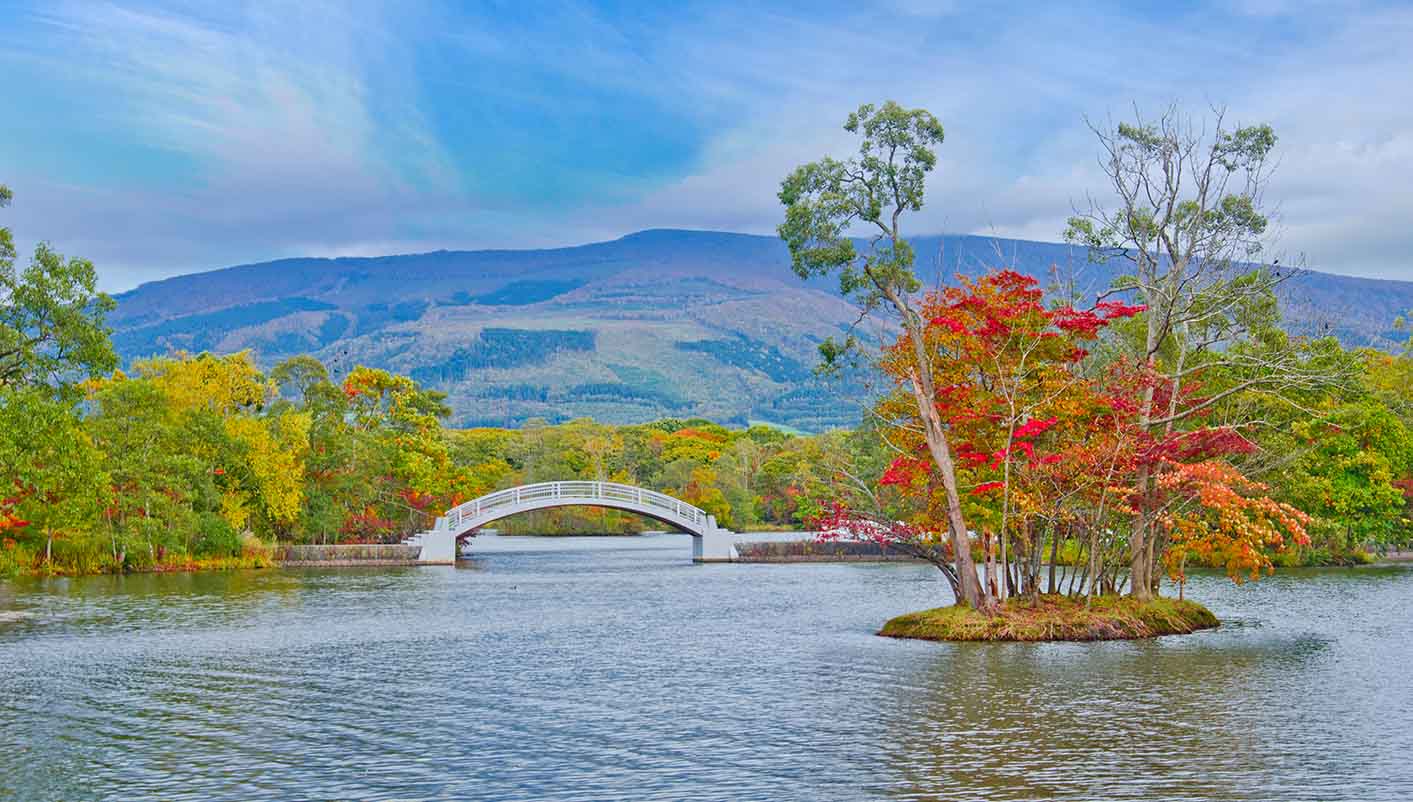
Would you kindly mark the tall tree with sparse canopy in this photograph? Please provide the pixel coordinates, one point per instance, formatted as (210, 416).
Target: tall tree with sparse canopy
(1188, 221)
(827, 200)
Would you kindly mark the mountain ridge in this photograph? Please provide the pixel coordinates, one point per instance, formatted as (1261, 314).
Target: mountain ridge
(657, 322)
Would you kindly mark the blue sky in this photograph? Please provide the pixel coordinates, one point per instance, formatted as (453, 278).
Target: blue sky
(164, 137)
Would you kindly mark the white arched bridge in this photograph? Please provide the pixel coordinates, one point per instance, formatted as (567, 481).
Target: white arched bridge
(710, 543)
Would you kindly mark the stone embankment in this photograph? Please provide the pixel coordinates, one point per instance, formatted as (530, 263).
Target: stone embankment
(810, 551)
(347, 555)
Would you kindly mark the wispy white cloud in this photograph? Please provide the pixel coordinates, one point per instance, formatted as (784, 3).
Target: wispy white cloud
(353, 128)
(280, 110)
(1018, 153)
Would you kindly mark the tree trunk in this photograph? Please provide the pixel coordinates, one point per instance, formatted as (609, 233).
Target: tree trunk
(1094, 567)
(988, 568)
(972, 594)
(1140, 558)
(1156, 543)
(1140, 566)
(1037, 560)
(1141, 550)
(1054, 556)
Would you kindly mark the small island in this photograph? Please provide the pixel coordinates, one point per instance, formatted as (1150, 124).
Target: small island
(1056, 617)
(1086, 448)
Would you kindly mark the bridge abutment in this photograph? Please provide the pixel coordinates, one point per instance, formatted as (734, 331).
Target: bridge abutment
(714, 547)
(438, 548)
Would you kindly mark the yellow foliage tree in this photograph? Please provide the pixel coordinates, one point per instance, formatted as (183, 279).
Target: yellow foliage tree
(221, 384)
(277, 448)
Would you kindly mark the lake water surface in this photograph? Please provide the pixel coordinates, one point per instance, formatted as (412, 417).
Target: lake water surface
(607, 669)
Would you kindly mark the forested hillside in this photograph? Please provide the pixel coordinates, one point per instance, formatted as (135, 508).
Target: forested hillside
(656, 324)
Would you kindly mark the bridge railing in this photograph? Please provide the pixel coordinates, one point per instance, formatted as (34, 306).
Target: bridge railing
(672, 508)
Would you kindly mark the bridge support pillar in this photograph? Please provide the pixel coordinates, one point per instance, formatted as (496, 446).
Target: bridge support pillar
(714, 546)
(438, 548)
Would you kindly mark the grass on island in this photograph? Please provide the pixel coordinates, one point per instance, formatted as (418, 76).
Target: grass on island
(1056, 618)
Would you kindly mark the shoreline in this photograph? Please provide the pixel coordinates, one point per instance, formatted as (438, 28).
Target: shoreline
(279, 557)
(808, 550)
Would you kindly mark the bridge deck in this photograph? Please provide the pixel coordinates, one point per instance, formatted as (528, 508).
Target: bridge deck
(500, 504)
(710, 541)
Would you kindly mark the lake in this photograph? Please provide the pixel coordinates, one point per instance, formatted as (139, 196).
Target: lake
(613, 668)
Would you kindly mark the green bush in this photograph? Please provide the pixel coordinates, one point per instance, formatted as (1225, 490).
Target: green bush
(215, 537)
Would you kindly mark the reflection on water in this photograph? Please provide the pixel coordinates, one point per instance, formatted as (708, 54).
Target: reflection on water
(586, 669)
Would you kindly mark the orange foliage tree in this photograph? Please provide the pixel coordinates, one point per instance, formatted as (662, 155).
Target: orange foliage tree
(1051, 447)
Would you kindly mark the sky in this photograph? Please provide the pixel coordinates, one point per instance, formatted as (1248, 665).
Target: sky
(160, 138)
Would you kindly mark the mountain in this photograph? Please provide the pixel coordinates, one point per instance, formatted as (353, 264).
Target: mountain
(657, 323)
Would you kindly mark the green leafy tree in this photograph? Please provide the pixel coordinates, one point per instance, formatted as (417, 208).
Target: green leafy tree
(51, 318)
(54, 473)
(398, 424)
(337, 483)
(158, 484)
(1345, 480)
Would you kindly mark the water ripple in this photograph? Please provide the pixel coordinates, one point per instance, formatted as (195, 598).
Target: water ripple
(584, 669)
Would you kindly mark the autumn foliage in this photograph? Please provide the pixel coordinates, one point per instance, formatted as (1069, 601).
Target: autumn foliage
(1049, 448)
